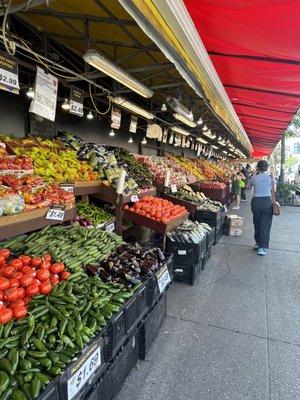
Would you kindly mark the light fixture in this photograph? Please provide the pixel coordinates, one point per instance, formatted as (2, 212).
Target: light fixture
(209, 134)
(134, 108)
(200, 121)
(30, 93)
(66, 105)
(185, 120)
(180, 130)
(130, 140)
(144, 141)
(112, 133)
(205, 128)
(89, 115)
(163, 107)
(201, 140)
(103, 64)
(214, 146)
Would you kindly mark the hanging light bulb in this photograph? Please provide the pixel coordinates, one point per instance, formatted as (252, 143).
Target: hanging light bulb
(66, 105)
(205, 128)
(200, 121)
(90, 115)
(164, 107)
(130, 140)
(112, 133)
(144, 141)
(30, 93)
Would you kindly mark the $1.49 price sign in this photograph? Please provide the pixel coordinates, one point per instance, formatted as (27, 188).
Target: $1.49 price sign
(163, 279)
(77, 381)
(55, 214)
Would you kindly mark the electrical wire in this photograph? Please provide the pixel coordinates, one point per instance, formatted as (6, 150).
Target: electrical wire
(94, 104)
(9, 45)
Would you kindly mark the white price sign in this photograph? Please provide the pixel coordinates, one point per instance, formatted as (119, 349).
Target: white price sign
(55, 214)
(68, 188)
(76, 108)
(163, 279)
(76, 101)
(110, 227)
(84, 373)
(134, 198)
(173, 188)
(9, 79)
(181, 252)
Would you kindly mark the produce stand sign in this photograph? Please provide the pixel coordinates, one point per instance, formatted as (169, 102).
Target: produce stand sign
(163, 278)
(55, 213)
(110, 227)
(134, 198)
(68, 187)
(173, 188)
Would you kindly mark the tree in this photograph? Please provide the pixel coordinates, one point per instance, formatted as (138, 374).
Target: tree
(292, 130)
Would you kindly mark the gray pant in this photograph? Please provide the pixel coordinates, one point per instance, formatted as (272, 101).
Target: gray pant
(262, 210)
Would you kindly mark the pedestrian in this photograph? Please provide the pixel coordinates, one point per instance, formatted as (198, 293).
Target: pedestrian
(261, 206)
(236, 188)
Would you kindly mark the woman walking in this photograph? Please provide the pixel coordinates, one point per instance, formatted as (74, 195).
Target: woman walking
(261, 206)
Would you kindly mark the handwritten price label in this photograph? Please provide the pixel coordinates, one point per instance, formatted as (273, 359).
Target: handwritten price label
(173, 188)
(67, 188)
(54, 214)
(134, 198)
(77, 381)
(163, 279)
(110, 227)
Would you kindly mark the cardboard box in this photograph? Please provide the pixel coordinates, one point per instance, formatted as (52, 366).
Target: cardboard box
(234, 221)
(233, 231)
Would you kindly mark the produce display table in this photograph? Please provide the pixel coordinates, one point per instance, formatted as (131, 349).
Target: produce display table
(86, 188)
(213, 194)
(153, 224)
(28, 221)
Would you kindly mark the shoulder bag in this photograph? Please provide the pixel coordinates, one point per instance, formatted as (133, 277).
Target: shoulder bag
(276, 205)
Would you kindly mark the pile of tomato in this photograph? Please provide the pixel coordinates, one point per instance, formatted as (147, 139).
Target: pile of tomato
(158, 209)
(24, 277)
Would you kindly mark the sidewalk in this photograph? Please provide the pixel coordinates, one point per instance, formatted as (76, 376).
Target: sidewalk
(235, 335)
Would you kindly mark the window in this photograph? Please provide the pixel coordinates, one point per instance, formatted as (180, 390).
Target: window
(297, 148)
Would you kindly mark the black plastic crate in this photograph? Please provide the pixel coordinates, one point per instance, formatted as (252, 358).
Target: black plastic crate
(209, 217)
(206, 257)
(117, 333)
(186, 253)
(153, 288)
(210, 238)
(51, 392)
(142, 295)
(83, 373)
(131, 313)
(218, 233)
(122, 364)
(187, 273)
(152, 325)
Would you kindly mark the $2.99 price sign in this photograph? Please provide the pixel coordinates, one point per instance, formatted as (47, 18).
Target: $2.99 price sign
(77, 381)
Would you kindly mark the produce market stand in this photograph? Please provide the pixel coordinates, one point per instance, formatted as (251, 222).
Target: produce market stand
(28, 221)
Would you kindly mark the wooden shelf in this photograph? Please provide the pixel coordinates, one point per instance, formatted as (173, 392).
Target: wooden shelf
(108, 195)
(86, 188)
(28, 221)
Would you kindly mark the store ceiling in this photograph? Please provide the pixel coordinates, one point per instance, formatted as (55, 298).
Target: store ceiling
(254, 46)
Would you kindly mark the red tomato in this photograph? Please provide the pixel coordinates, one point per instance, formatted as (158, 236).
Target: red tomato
(26, 280)
(14, 283)
(32, 290)
(4, 283)
(36, 282)
(54, 279)
(11, 294)
(26, 260)
(17, 275)
(46, 264)
(18, 302)
(1, 295)
(20, 312)
(27, 300)
(21, 293)
(47, 258)
(36, 262)
(16, 263)
(5, 315)
(45, 287)
(56, 268)
(64, 275)
(28, 271)
(43, 274)
(1, 305)
(2, 260)
(8, 271)
(5, 253)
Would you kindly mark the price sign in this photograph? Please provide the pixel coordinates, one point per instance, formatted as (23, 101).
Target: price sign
(76, 101)
(181, 252)
(173, 188)
(163, 279)
(9, 79)
(134, 198)
(83, 374)
(110, 227)
(55, 213)
(67, 188)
